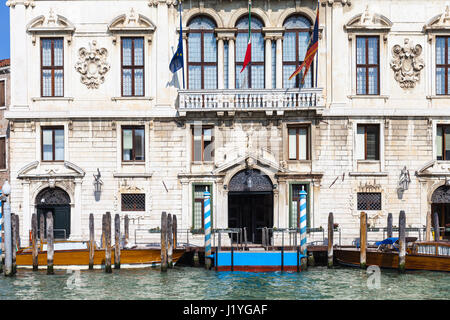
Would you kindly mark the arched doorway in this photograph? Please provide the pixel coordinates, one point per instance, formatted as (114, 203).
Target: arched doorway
(441, 204)
(250, 203)
(56, 201)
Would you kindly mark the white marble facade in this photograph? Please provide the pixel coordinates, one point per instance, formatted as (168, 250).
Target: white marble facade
(92, 111)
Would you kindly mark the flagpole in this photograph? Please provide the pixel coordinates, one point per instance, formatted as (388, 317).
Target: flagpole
(181, 36)
(317, 55)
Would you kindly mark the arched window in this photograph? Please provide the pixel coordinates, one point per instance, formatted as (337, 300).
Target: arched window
(295, 44)
(201, 54)
(253, 75)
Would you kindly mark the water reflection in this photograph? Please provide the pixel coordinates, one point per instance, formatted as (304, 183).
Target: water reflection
(197, 283)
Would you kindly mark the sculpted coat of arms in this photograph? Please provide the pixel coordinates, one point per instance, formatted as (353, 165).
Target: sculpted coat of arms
(407, 64)
(92, 65)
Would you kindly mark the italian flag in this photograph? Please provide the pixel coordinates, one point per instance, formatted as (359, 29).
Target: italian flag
(248, 53)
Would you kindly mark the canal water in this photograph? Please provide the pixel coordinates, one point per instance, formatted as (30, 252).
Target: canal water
(189, 283)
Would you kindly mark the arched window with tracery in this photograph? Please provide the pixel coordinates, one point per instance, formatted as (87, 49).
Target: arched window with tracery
(201, 54)
(295, 44)
(253, 75)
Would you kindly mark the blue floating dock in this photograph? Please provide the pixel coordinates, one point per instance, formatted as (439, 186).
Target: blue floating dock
(257, 261)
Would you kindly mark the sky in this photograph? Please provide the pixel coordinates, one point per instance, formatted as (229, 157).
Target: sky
(4, 30)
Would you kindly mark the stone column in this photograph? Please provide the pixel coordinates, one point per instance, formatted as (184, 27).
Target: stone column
(268, 63)
(231, 64)
(75, 214)
(220, 69)
(279, 64)
(185, 209)
(19, 57)
(162, 54)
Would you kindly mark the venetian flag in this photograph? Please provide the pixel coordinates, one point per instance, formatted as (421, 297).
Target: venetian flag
(311, 52)
(248, 53)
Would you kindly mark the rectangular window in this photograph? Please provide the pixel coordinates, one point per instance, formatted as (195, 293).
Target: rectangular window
(199, 205)
(52, 143)
(52, 67)
(298, 144)
(202, 144)
(368, 142)
(133, 143)
(132, 67)
(274, 64)
(443, 142)
(367, 65)
(225, 64)
(442, 65)
(2, 93)
(2, 152)
(133, 201)
(294, 217)
(369, 201)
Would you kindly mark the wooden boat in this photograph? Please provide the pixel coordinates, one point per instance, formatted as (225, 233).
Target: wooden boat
(71, 254)
(424, 255)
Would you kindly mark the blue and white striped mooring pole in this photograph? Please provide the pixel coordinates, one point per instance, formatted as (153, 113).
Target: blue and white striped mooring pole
(207, 204)
(303, 221)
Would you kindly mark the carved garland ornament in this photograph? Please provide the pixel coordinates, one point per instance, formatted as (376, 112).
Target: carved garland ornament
(92, 65)
(407, 64)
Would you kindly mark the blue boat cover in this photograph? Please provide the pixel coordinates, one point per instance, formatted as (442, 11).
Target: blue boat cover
(387, 241)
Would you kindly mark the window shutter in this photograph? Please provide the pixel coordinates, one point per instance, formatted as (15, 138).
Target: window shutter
(2, 153)
(360, 148)
(2, 94)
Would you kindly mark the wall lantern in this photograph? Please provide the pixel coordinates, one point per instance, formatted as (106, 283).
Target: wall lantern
(97, 185)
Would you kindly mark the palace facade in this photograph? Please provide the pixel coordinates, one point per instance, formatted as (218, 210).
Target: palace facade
(99, 123)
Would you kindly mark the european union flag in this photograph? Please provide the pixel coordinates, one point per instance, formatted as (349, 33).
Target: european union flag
(177, 60)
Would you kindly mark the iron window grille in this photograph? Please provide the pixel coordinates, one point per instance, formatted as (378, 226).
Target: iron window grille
(369, 201)
(133, 201)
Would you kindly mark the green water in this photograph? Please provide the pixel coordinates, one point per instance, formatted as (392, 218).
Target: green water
(197, 283)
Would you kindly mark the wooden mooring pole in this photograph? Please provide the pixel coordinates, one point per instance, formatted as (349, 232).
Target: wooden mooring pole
(41, 228)
(163, 242)
(34, 244)
(402, 241)
(103, 239)
(17, 242)
(126, 230)
(363, 240)
(117, 241)
(50, 243)
(14, 241)
(174, 231)
(428, 227)
(330, 239)
(169, 241)
(108, 268)
(437, 233)
(389, 225)
(91, 241)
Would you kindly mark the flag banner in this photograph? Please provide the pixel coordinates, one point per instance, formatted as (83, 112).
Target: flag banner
(177, 60)
(310, 53)
(248, 53)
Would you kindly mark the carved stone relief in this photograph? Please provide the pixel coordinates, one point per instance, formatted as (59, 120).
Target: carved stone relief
(407, 64)
(92, 65)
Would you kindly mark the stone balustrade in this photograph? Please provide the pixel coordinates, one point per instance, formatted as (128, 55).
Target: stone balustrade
(250, 99)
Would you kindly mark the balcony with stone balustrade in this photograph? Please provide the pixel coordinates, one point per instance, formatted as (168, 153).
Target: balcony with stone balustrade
(270, 101)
